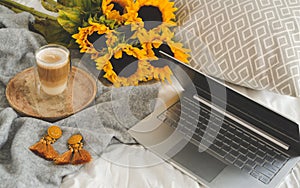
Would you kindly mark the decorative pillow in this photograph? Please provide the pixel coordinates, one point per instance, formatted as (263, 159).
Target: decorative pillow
(253, 43)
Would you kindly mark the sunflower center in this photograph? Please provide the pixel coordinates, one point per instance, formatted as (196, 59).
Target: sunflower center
(118, 7)
(126, 66)
(98, 41)
(151, 15)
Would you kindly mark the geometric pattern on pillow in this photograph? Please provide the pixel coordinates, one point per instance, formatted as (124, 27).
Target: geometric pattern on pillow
(253, 43)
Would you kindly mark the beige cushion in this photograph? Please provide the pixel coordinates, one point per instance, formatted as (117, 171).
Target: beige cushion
(253, 43)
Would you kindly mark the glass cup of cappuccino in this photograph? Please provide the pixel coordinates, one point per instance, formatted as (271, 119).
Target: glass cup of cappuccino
(53, 68)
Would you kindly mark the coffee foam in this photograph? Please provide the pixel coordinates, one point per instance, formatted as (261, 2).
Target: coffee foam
(52, 57)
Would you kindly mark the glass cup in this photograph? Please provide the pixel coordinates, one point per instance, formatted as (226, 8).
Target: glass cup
(53, 68)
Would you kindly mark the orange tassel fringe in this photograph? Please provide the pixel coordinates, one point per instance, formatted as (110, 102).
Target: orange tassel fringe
(39, 148)
(43, 148)
(81, 157)
(76, 154)
(65, 158)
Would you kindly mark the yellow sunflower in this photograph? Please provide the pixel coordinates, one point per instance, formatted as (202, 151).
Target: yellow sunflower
(141, 74)
(115, 9)
(153, 41)
(125, 65)
(160, 70)
(178, 51)
(94, 39)
(151, 13)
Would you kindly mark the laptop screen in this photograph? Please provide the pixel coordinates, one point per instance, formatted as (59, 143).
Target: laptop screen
(241, 106)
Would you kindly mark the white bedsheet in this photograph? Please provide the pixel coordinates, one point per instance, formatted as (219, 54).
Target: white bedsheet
(122, 166)
(108, 171)
(128, 166)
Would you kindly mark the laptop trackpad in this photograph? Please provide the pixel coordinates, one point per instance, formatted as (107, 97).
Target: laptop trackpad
(202, 164)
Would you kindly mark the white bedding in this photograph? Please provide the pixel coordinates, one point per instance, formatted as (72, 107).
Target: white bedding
(118, 166)
(116, 169)
(126, 166)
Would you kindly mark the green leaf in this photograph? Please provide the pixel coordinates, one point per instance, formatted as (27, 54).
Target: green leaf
(67, 3)
(73, 15)
(51, 5)
(86, 5)
(52, 31)
(69, 19)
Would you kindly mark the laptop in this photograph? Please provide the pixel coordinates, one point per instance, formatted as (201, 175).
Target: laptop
(217, 135)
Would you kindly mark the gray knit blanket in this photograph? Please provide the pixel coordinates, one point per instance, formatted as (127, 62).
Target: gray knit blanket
(105, 122)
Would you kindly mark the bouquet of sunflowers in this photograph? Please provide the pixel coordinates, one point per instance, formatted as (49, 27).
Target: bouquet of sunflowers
(123, 37)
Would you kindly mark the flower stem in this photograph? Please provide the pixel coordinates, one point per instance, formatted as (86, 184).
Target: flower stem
(17, 7)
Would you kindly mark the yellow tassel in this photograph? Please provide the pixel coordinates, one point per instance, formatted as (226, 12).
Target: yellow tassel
(76, 154)
(80, 157)
(85, 155)
(51, 154)
(39, 148)
(43, 148)
(65, 158)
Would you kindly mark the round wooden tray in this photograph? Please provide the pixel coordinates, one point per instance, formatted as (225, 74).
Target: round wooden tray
(22, 95)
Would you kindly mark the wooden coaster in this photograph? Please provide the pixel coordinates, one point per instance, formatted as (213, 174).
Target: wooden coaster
(23, 96)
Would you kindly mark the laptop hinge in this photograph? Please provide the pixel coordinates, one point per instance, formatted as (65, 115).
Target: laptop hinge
(246, 125)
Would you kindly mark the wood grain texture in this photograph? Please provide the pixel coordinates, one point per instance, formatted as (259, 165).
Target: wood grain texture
(22, 95)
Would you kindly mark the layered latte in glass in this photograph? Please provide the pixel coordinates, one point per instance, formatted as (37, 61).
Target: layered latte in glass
(53, 67)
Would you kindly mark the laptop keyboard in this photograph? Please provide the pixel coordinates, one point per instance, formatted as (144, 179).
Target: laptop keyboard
(223, 138)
